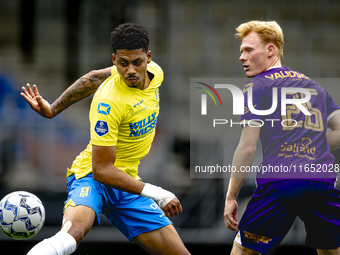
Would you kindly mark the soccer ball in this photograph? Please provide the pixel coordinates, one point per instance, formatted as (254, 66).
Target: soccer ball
(22, 215)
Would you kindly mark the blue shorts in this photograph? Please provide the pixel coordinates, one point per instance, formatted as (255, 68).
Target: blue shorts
(131, 214)
(274, 207)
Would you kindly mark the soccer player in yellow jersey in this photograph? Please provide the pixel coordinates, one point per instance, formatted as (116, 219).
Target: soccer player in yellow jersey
(103, 178)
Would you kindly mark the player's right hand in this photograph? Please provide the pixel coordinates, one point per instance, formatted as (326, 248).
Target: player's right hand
(230, 214)
(171, 208)
(37, 103)
(166, 200)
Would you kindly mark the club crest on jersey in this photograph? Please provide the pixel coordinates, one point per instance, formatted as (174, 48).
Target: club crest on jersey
(101, 128)
(104, 108)
(84, 192)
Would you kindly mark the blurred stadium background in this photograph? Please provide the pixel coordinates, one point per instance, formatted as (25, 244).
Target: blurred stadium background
(52, 43)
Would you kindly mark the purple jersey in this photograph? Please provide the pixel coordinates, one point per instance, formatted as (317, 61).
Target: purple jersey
(294, 144)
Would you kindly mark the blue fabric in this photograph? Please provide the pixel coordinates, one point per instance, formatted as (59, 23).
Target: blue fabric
(131, 214)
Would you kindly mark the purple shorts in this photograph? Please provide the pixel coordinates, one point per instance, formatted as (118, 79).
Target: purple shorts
(274, 207)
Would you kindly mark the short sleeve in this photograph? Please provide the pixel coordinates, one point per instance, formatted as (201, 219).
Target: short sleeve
(105, 121)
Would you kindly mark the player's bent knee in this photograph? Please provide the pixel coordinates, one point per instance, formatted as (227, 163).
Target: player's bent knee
(78, 221)
(239, 249)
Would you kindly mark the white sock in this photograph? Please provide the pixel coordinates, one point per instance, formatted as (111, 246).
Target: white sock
(60, 244)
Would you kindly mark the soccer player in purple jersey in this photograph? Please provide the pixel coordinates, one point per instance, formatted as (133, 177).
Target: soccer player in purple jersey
(297, 175)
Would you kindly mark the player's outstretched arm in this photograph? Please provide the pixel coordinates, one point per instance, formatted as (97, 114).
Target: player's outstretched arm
(36, 102)
(104, 171)
(80, 89)
(333, 137)
(243, 157)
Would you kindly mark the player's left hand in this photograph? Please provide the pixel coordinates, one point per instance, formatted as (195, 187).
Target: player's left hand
(172, 208)
(230, 214)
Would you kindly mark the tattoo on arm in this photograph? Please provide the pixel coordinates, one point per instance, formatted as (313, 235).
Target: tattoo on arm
(80, 89)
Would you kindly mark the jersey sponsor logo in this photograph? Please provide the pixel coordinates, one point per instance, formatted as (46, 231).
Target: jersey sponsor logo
(144, 126)
(302, 149)
(140, 110)
(104, 108)
(141, 101)
(84, 192)
(101, 128)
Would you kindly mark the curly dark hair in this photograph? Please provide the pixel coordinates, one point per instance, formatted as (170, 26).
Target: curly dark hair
(129, 36)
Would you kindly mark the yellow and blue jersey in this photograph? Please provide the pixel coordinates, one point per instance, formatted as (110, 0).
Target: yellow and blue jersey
(123, 117)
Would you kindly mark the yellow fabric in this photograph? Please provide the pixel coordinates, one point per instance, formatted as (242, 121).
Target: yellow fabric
(69, 203)
(123, 117)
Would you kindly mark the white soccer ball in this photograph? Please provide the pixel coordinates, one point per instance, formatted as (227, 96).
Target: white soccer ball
(22, 215)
